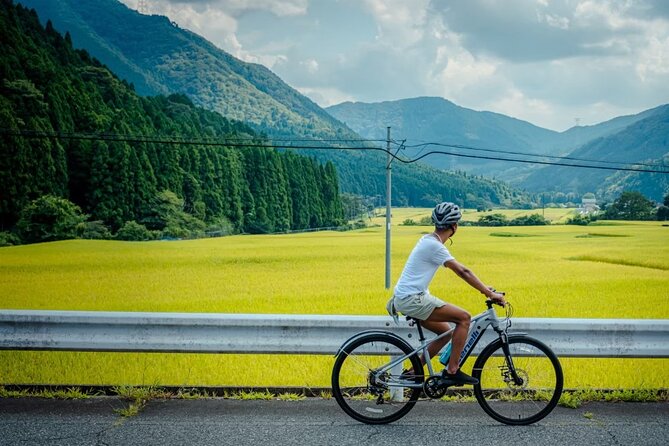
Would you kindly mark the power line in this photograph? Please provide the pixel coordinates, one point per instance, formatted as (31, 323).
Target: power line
(460, 146)
(548, 163)
(257, 143)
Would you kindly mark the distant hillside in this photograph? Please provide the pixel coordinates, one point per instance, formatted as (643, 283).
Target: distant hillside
(645, 140)
(49, 87)
(159, 57)
(432, 119)
(429, 119)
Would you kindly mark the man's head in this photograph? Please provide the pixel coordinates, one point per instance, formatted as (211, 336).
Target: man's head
(446, 215)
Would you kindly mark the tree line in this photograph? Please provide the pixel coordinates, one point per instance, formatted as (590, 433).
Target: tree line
(176, 189)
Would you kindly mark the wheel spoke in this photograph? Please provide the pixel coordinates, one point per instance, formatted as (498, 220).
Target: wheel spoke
(366, 394)
(533, 396)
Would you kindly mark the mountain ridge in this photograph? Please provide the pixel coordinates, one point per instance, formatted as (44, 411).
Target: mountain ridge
(435, 119)
(169, 64)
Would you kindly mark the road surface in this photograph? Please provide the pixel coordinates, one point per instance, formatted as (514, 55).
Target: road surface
(32, 421)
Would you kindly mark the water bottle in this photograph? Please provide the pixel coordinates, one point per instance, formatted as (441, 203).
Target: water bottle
(445, 354)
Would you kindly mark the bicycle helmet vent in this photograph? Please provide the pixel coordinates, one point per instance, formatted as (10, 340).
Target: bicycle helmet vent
(445, 214)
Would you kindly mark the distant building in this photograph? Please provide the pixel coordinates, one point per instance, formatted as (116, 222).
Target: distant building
(588, 204)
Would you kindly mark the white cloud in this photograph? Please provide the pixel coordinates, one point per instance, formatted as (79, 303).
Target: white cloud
(653, 58)
(554, 20)
(217, 20)
(400, 23)
(547, 62)
(515, 103)
(235, 7)
(311, 65)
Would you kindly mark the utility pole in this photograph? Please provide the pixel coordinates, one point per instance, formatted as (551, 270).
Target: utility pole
(388, 210)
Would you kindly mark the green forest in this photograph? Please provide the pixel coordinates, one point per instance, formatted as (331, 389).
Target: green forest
(50, 88)
(159, 57)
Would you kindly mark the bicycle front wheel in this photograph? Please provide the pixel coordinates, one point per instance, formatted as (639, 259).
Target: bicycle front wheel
(365, 393)
(523, 397)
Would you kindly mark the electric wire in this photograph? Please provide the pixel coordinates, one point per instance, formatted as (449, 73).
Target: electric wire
(570, 158)
(258, 143)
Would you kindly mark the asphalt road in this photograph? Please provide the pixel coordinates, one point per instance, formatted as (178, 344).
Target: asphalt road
(32, 421)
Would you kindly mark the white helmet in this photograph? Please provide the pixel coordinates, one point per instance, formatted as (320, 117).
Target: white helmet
(445, 214)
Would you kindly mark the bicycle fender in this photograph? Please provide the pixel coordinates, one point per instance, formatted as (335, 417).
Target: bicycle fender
(357, 336)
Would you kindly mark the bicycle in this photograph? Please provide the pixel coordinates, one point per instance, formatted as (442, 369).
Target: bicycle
(520, 378)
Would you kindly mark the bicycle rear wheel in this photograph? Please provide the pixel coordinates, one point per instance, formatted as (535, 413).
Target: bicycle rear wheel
(368, 396)
(523, 401)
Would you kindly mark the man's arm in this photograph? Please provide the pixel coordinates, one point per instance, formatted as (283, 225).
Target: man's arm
(468, 276)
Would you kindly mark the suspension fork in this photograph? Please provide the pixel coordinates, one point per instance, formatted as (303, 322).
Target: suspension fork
(517, 380)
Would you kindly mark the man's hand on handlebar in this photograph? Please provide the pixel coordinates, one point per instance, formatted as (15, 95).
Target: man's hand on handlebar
(496, 297)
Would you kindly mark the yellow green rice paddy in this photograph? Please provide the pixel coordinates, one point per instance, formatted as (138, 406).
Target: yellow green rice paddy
(614, 270)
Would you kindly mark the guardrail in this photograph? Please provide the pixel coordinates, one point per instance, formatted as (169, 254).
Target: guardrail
(295, 334)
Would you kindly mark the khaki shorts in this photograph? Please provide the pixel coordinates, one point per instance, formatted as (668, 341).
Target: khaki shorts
(419, 306)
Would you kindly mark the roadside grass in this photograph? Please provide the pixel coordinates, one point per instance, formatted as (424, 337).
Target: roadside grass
(138, 397)
(252, 395)
(70, 393)
(573, 399)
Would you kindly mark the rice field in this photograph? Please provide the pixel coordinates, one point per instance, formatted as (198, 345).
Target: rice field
(609, 270)
(555, 215)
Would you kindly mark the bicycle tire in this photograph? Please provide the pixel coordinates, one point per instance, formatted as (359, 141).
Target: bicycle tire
(511, 403)
(362, 399)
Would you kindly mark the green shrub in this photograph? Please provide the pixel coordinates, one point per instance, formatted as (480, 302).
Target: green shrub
(581, 220)
(133, 231)
(93, 230)
(49, 218)
(220, 227)
(426, 221)
(9, 239)
(493, 220)
(408, 222)
(529, 220)
(663, 213)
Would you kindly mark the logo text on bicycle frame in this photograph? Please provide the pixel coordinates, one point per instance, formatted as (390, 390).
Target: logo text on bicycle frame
(471, 341)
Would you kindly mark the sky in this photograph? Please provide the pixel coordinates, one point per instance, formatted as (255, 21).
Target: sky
(554, 63)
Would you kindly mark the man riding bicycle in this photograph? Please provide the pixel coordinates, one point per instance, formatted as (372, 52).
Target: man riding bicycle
(412, 297)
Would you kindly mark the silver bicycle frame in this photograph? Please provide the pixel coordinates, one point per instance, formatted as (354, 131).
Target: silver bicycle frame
(478, 326)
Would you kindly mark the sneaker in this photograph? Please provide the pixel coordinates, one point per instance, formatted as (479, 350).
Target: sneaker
(459, 378)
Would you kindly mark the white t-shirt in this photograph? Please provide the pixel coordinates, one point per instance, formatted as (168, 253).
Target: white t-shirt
(424, 261)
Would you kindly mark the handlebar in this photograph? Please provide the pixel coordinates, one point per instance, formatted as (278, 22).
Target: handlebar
(489, 302)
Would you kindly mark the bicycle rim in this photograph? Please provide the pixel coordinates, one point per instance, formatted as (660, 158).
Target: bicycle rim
(370, 397)
(516, 403)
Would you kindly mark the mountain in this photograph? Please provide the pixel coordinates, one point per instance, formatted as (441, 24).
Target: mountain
(157, 56)
(50, 88)
(433, 119)
(438, 120)
(636, 138)
(642, 141)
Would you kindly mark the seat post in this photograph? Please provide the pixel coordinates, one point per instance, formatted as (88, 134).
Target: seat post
(421, 336)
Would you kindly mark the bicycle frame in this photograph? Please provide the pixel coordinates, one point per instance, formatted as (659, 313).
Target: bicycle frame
(478, 326)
